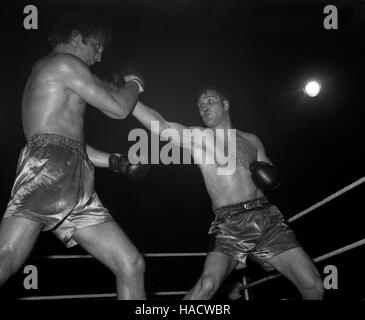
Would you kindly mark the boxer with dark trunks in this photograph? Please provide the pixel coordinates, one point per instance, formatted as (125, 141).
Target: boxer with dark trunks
(255, 228)
(54, 185)
(245, 222)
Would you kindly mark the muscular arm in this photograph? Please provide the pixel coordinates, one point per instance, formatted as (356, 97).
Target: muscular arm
(261, 153)
(77, 77)
(146, 115)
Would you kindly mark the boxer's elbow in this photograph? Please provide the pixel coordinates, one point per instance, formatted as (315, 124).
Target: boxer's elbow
(116, 114)
(122, 111)
(120, 108)
(122, 114)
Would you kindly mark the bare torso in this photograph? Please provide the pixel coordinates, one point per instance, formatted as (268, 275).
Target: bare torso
(48, 106)
(237, 187)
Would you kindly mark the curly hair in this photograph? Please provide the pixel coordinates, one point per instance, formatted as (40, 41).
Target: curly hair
(85, 23)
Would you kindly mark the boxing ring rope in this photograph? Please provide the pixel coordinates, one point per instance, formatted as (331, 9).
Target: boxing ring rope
(308, 210)
(329, 198)
(96, 295)
(170, 293)
(190, 254)
(87, 256)
(318, 259)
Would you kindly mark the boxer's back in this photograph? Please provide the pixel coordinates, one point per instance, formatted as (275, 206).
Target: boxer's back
(48, 106)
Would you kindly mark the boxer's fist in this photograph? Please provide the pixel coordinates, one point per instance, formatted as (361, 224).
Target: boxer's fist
(138, 172)
(128, 73)
(121, 164)
(110, 85)
(264, 176)
(137, 79)
(118, 163)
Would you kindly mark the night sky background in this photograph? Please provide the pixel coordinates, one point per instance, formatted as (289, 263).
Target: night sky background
(262, 53)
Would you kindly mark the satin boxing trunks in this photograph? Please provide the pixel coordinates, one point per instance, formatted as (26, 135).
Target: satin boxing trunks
(54, 185)
(255, 228)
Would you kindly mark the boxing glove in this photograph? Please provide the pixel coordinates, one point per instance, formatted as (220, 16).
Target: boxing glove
(265, 176)
(138, 172)
(120, 163)
(137, 79)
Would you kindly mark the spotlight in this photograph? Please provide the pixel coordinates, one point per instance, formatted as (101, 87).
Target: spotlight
(312, 89)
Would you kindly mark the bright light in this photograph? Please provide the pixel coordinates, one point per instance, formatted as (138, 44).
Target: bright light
(312, 88)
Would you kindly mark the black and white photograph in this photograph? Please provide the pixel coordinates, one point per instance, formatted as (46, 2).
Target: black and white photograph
(172, 150)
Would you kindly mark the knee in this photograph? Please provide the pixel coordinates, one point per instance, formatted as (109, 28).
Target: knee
(315, 287)
(6, 268)
(319, 288)
(4, 274)
(130, 267)
(208, 284)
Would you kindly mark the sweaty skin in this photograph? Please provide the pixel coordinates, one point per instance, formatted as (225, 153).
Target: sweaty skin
(60, 85)
(222, 189)
(56, 93)
(237, 187)
(48, 105)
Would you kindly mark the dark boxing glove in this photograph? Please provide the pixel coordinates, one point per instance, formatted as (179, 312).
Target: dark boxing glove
(136, 79)
(264, 176)
(138, 172)
(128, 73)
(121, 164)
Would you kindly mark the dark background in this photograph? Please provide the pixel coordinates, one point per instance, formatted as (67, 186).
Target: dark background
(261, 53)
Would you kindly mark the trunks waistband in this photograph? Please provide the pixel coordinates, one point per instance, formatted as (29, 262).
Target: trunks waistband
(243, 206)
(58, 140)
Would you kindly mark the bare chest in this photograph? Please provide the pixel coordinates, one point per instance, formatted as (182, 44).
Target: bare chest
(240, 149)
(246, 152)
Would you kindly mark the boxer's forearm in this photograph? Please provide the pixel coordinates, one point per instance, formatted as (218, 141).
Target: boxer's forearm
(146, 115)
(97, 157)
(127, 96)
(261, 153)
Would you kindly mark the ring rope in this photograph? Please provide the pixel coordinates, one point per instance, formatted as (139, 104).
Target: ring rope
(297, 216)
(87, 256)
(329, 198)
(111, 295)
(98, 295)
(185, 254)
(166, 293)
(318, 259)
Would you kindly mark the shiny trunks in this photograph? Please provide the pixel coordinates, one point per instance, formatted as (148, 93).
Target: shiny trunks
(54, 186)
(255, 228)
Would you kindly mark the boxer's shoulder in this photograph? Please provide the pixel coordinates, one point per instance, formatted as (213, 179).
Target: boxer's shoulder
(56, 64)
(199, 132)
(247, 135)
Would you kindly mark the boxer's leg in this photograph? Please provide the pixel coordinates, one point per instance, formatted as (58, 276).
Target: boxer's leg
(216, 268)
(109, 244)
(17, 238)
(301, 271)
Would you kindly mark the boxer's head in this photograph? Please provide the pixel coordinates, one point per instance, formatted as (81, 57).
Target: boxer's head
(86, 33)
(213, 106)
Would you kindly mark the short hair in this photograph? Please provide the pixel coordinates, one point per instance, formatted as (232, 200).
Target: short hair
(85, 23)
(219, 91)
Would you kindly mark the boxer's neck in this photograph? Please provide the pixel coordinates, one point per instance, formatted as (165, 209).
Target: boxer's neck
(68, 48)
(224, 124)
(65, 48)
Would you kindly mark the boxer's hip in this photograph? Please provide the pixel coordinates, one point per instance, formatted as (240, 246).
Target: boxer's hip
(241, 208)
(54, 177)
